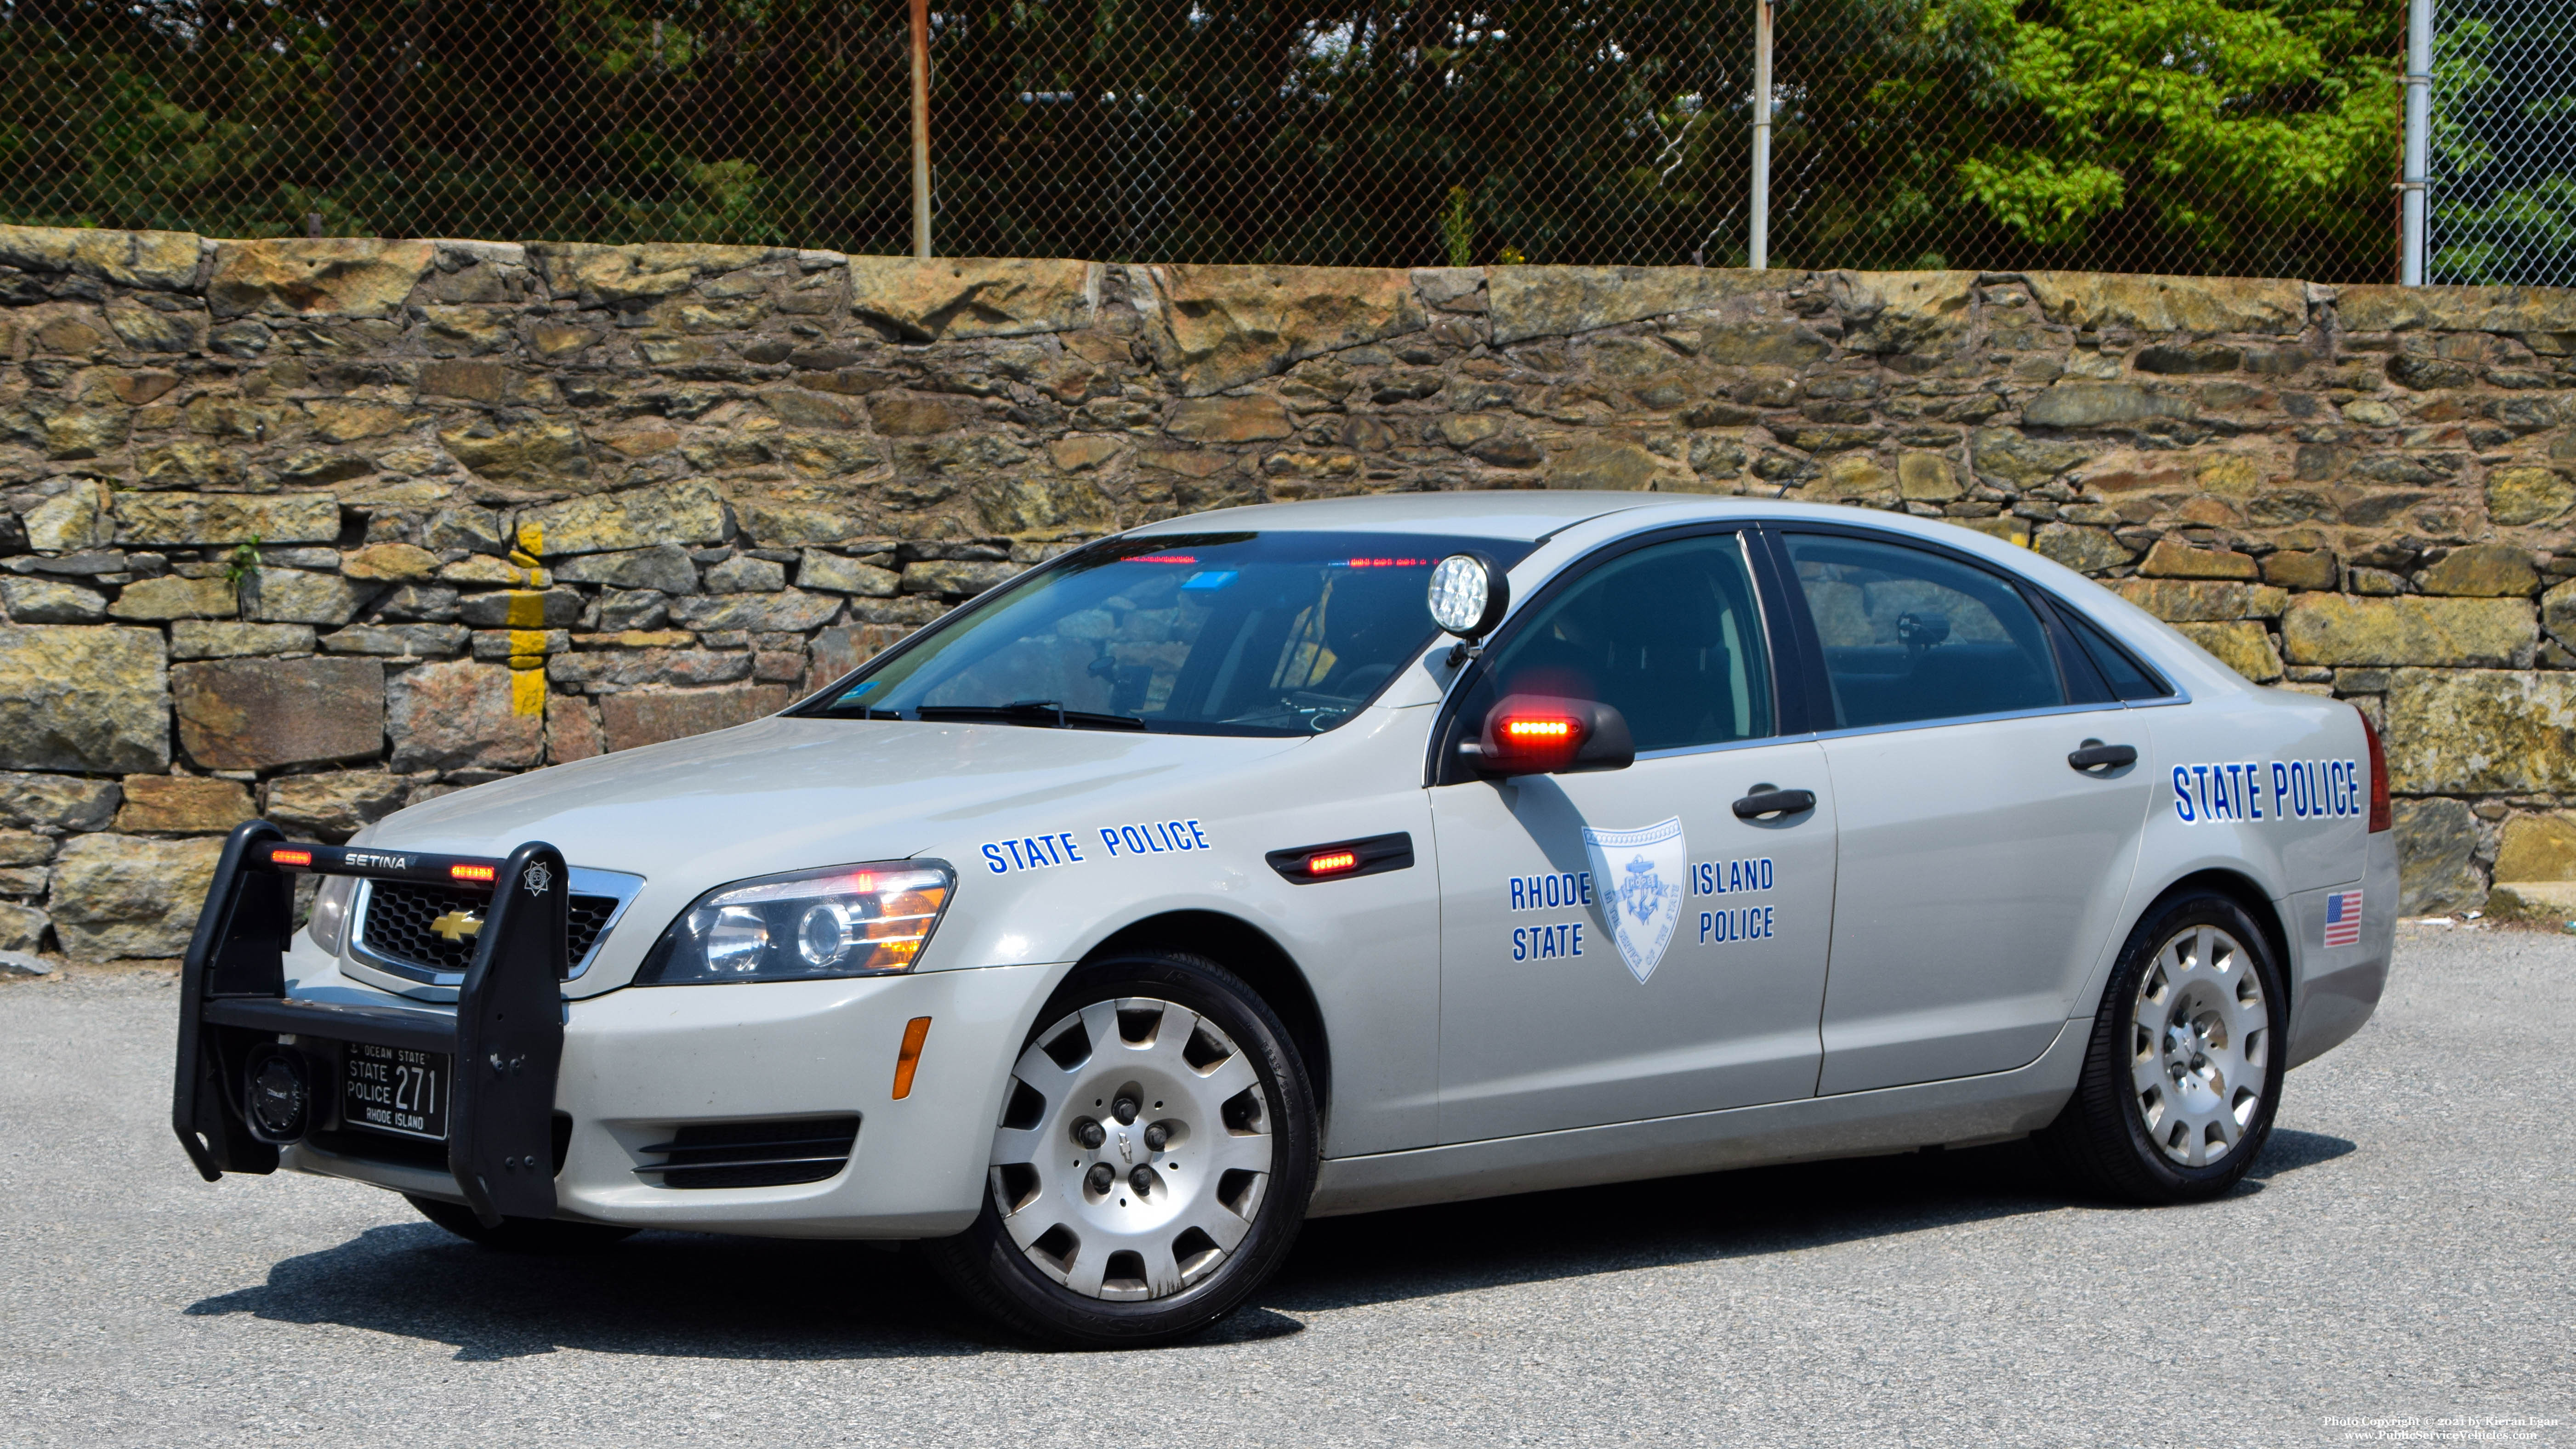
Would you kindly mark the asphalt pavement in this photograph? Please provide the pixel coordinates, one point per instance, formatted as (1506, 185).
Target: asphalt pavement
(2401, 1266)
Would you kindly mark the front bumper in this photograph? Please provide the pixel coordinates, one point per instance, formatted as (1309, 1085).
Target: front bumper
(556, 1107)
(642, 1062)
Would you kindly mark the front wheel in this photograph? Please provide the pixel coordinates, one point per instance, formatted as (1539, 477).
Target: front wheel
(1157, 1146)
(2184, 1070)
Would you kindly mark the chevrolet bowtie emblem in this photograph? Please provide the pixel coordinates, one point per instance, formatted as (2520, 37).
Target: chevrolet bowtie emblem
(457, 925)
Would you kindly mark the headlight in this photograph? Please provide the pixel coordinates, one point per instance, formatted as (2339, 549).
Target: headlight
(851, 920)
(330, 923)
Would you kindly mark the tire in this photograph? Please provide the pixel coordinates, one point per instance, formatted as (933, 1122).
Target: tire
(1186, 1088)
(2183, 1074)
(519, 1235)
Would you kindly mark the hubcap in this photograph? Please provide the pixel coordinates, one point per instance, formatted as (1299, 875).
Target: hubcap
(2200, 1039)
(1081, 1184)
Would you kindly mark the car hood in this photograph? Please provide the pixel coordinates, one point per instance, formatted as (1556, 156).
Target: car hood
(792, 794)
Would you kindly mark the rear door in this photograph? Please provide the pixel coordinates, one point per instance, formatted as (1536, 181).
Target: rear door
(1980, 871)
(1621, 945)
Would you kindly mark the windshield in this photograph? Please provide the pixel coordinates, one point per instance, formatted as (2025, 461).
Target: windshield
(1217, 633)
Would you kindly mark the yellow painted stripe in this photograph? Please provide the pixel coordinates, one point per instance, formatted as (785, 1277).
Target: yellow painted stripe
(527, 689)
(532, 536)
(527, 611)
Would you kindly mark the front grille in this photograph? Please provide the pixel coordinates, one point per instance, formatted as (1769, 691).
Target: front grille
(399, 916)
(753, 1154)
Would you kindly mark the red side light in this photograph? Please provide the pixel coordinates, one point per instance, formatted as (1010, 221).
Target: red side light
(290, 857)
(1544, 740)
(2380, 816)
(1170, 558)
(472, 872)
(1388, 563)
(1332, 862)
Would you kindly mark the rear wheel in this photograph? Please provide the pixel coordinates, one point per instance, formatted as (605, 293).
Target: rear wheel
(1156, 1149)
(2184, 1071)
(518, 1235)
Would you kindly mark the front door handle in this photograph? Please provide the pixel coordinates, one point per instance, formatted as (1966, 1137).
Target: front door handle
(2097, 758)
(1763, 804)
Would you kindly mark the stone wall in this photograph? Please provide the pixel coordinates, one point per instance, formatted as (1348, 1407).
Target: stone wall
(317, 528)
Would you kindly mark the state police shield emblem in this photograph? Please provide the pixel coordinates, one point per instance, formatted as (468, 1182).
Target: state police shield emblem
(1637, 877)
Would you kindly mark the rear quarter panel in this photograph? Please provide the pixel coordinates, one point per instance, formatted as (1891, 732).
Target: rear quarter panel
(2274, 786)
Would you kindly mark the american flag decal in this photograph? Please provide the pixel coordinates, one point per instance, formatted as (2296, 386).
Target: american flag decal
(2343, 919)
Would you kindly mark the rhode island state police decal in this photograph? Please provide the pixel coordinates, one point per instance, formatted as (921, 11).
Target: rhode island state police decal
(1639, 874)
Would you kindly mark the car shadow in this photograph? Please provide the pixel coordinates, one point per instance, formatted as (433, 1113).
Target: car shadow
(693, 1295)
(1497, 1242)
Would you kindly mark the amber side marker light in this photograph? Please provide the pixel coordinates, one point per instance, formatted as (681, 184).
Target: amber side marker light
(472, 872)
(908, 1060)
(1332, 863)
(290, 857)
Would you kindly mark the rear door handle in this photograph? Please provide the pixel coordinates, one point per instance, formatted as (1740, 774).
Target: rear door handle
(1762, 803)
(2095, 757)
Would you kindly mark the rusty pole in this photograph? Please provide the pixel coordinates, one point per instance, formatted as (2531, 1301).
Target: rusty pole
(921, 129)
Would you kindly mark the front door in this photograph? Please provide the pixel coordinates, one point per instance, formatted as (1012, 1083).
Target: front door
(1979, 871)
(1621, 945)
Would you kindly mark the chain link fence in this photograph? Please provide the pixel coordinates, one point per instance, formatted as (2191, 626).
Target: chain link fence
(2503, 174)
(2257, 137)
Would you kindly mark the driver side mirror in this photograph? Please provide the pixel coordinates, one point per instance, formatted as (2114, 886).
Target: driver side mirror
(1538, 734)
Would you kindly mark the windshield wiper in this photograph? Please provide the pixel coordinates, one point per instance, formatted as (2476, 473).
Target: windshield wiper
(1030, 711)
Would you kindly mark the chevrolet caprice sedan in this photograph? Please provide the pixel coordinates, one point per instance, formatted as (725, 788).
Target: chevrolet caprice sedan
(1329, 857)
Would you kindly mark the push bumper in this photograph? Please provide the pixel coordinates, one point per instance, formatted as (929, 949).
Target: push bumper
(501, 1046)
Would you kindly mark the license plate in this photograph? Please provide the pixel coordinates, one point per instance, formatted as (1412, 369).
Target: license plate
(394, 1089)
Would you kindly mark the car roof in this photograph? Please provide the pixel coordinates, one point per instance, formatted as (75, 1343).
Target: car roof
(1535, 515)
(1525, 517)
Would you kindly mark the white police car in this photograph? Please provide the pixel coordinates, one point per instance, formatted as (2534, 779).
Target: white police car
(1197, 882)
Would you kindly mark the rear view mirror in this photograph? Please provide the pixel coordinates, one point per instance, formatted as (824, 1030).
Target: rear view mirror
(1538, 734)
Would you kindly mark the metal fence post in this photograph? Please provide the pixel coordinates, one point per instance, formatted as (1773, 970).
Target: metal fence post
(1757, 252)
(2419, 127)
(921, 129)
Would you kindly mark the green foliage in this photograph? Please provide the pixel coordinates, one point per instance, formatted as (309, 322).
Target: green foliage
(2042, 202)
(242, 569)
(2174, 135)
(753, 121)
(2504, 201)
(2221, 118)
(1458, 229)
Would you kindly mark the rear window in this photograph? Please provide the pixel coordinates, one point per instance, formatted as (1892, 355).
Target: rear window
(2128, 678)
(1912, 635)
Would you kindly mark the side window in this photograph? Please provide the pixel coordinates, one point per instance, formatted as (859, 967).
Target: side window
(2127, 677)
(1668, 634)
(1909, 635)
